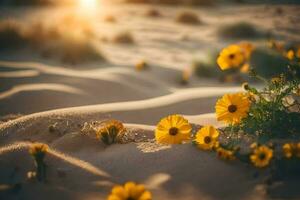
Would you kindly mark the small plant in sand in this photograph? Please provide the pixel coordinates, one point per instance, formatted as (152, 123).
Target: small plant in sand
(264, 115)
(110, 18)
(129, 191)
(11, 35)
(141, 65)
(185, 76)
(264, 118)
(173, 129)
(110, 131)
(52, 40)
(153, 13)
(187, 17)
(123, 38)
(39, 151)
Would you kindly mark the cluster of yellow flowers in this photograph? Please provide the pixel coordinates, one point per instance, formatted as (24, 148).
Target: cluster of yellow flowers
(292, 53)
(291, 150)
(231, 108)
(175, 129)
(236, 56)
(141, 65)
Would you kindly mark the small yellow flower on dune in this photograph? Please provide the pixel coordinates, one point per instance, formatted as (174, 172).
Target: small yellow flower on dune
(290, 54)
(186, 75)
(261, 156)
(232, 56)
(231, 108)
(207, 138)
(291, 149)
(225, 154)
(141, 65)
(110, 131)
(37, 149)
(173, 129)
(130, 191)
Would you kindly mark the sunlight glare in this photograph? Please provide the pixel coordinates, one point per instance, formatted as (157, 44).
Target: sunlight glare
(88, 4)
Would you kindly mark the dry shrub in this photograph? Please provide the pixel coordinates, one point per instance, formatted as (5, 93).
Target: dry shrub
(187, 17)
(68, 41)
(152, 12)
(74, 52)
(110, 18)
(11, 35)
(123, 38)
(240, 30)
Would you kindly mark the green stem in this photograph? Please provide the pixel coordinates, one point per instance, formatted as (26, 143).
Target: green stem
(40, 170)
(262, 79)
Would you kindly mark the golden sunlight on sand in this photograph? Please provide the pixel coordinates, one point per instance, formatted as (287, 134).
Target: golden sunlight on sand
(88, 4)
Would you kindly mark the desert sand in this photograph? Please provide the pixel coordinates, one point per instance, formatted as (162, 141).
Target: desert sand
(47, 101)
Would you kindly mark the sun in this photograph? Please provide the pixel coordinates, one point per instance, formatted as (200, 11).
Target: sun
(88, 4)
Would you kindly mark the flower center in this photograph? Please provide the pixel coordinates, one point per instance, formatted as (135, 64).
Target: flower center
(232, 108)
(173, 131)
(207, 140)
(262, 156)
(130, 198)
(231, 56)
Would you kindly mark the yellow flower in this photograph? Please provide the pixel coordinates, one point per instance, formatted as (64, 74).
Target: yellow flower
(290, 55)
(298, 52)
(207, 138)
(287, 150)
(110, 131)
(186, 75)
(248, 48)
(173, 129)
(291, 149)
(279, 46)
(38, 149)
(130, 191)
(245, 68)
(297, 150)
(261, 156)
(232, 56)
(231, 108)
(141, 65)
(225, 154)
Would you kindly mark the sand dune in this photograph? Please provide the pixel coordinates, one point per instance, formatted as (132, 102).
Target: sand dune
(59, 100)
(36, 87)
(21, 73)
